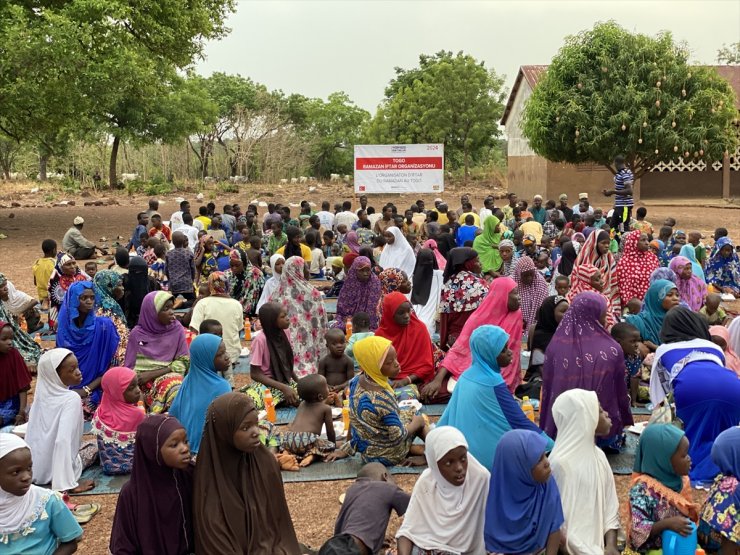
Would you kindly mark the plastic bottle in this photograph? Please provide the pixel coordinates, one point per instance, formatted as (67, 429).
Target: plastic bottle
(676, 544)
(348, 328)
(527, 408)
(247, 329)
(24, 324)
(269, 407)
(345, 415)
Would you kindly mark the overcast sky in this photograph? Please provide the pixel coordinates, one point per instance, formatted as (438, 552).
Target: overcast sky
(318, 47)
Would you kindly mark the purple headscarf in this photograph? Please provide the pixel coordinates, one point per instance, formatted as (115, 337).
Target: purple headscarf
(151, 338)
(583, 355)
(358, 297)
(352, 242)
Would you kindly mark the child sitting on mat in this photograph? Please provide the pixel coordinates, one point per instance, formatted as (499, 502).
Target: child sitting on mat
(360, 330)
(336, 366)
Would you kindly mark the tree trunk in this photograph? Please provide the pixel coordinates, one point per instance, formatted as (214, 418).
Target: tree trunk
(43, 161)
(112, 177)
(465, 152)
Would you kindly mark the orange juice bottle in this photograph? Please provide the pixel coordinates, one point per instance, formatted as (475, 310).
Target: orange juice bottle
(345, 416)
(247, 329)
(348, 327)
(527, 408)
(269, 407)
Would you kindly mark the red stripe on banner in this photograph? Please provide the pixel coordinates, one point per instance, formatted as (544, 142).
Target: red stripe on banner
(400, 163)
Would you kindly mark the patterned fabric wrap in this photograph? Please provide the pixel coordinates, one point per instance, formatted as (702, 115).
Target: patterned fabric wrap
(116, 449)
(303, 444)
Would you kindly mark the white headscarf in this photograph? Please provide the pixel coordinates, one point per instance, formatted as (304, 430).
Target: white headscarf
(443, 516)
(583, 474)
(735, 335)
(272, 283)
(18, 512)
(18, 301)
(398, 255)
(55, 426)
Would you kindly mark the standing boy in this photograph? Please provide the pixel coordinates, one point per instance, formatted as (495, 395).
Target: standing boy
(42, 270)
(180, 269)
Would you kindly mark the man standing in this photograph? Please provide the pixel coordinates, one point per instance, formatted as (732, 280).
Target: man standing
(564, 208)
(189, 230)
(538, 211)
(623, 197)
(143, 222)
(76, 244)
(176, 218)
(153, 207)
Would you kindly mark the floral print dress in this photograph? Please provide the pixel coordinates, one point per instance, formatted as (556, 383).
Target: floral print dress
(720, 517)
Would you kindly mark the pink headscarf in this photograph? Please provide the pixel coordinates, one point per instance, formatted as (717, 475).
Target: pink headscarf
(352, 242)
(493, 310)
(113, 411)
(692, 290)
(732, 361)
(432, 245)
(533, 295)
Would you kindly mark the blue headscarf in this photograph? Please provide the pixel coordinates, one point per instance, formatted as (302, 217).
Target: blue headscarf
(721, 271)
(94, 344)
(653, 456)
(688, 251)
(726, 455)
(650, 319)
(521, 513)
(199, 388)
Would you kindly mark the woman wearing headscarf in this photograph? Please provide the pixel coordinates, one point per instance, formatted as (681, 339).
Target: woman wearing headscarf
(486, 245)
(509, 256)
(447, 508)
(202, 385)
(635, 266)
(24, 343)
(360, 293)
(93, 339)
(688, 251)
(15, 382)
(392, 279)
(660, 298)
(427, 286)
(663, 273)
(482, 407)
(66, 272)
(441, 260)
(410, 339)
(707, 395)
(245, 282)
(22, 306)
(352, 243)
(158, 352)
(723, 268)
(720, 524)
(136, 285)
(532, 289)
(721, 336)
(397, 252)
(154, 509)
(108, 287)
(564, 266)
(307, 316)
(595, 251)
(587, 277)
(583, 475)
(660, 497)
(116, 419)
(238, 499)
(523, 512)
(276, 265)
(500, 308)
(462, 293)
(583, 355)
(691, 289)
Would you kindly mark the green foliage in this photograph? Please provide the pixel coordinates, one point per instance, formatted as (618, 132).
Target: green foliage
(609, 91)
(228, 187)
(450, 99)
(729, 54)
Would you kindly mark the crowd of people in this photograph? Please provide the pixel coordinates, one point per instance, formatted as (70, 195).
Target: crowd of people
(580, 312)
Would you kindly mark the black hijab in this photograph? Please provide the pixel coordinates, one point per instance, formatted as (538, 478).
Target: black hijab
(567, 259)
(456, 258)
(682, 324)
(426, 263)
(136, 286)
(281, 353)
(546, 323)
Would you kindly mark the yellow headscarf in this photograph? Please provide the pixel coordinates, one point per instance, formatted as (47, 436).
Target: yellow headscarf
(370, 354)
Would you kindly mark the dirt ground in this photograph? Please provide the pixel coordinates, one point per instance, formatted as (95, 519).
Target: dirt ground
(313, 506)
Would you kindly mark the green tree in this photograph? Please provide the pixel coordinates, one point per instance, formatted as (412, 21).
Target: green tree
(450, 99)
(609, 91)
(729, 54)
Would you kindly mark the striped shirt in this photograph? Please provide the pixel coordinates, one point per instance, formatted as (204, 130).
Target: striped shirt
(622, 180)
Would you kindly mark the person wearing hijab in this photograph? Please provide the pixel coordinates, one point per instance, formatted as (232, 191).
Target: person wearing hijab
(360, 293)
(276, 265)
(583, 355)
(307, 315)
(706, 393)
(397, 252)
(720, 523)
(691, 289)
(32, 519)
(108, 287)
(238, 501)
(202, 385)
(587, 277)
(721, 336)
(532, 289)
(22, 341)
(564, 266)
(447, 507)
(659, 299)
(486, 245)
(116, 419)
(509, 256)
(660, 498)
(441, 260)
(352, 243)
(15, 380)
(22, 306)
(65, 273)
(523, 511)
(583, 475)
(245, 282)
(635, 266)
(462, 292)
(154, 509)
(482, 407)
(723, 268)
(427, 286)
(688, 251)
(595, 251)
(392, 279)
(157, 352)
(136, 285)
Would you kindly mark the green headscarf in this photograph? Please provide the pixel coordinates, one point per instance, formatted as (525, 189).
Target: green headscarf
(486, 245)
(657, 444)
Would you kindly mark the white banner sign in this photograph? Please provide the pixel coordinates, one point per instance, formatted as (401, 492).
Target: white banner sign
(399, 168)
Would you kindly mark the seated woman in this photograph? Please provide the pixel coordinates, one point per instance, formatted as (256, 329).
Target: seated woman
(271, 283)
(360, 293)
(93, 339)
(55, 425)
(635, 266)
(208, 358)
(137, 284)
(532, 289)
(427, 282)
(721, 336)
(158, 352)
(66, 272)
(486, 245)
(688, 251)
(115, 422)
(24, 343)
(108, 287)
(587, 277)
(462, 293)
(723, 268)
(397, 252)
(447, 508)
(691, 288)
(661, 296)
(23, 307)
(238, 497)
(707, 395)
(245, 281)
(15, 380)
(154, 509)
(482, 407)
(583, 355)
(381, 431)
(523, 512)
(719, 528)
(583, 475)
